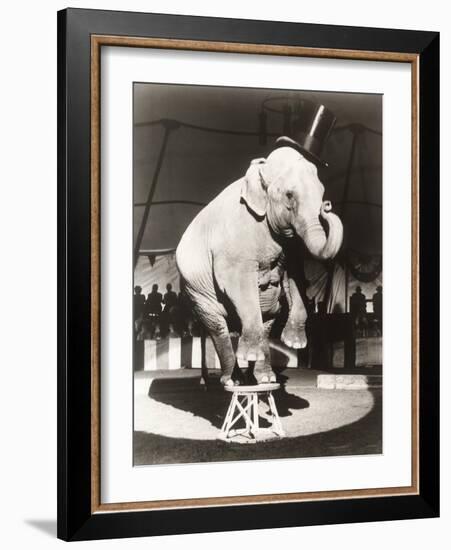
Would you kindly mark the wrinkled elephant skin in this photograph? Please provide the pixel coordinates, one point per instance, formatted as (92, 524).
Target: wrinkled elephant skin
(232, 257)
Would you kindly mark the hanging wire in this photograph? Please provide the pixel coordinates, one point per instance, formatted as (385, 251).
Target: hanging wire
(262, 134)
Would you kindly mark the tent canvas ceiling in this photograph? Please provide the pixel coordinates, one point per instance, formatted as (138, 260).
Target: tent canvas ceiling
(198, 164)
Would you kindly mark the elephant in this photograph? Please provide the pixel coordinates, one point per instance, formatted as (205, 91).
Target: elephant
(232, 257)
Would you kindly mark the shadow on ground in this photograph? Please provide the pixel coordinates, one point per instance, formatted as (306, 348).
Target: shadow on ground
(189, 396)
(359, 438)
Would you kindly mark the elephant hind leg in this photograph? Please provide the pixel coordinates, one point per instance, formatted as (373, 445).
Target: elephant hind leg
(216, 326)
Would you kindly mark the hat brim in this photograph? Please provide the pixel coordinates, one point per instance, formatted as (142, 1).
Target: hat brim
(285, 140)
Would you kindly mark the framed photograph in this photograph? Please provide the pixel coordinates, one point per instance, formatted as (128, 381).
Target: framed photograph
(248, 274)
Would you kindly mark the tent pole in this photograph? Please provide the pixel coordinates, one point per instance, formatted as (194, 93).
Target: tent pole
(168, 126)
(346, 286)
(355, 131)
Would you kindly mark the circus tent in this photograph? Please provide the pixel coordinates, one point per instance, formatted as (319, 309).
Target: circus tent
(190, 143)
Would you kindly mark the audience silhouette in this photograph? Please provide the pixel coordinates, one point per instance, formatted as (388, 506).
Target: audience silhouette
(153, 302)
(357, 308)
(138, 308)
(159, 316)
(377, 307)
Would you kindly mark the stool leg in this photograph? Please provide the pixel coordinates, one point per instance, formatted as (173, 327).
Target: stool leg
(226, 425)
(276, 420)
(246, 416)
(255, 406)
(244, 408)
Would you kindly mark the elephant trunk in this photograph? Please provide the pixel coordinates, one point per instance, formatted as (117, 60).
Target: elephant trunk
(319, 245)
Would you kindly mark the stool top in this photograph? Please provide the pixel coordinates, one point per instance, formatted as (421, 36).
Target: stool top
(272, 386)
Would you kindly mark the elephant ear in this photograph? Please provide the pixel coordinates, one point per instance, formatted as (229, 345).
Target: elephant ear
(254, 189)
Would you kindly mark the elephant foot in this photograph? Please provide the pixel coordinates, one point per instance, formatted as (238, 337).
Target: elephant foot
(294, 336)
(265, 377)
(249, 350)
(229, 381)
(233, 379)
(264, 374)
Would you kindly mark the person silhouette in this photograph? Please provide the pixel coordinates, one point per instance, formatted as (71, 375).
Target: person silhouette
(138, 308)
(170, 298)
(357, 307)
(377, 306)
(138, 302)
(185, 315)
(170, 308)
(153, 311)
(153, 302)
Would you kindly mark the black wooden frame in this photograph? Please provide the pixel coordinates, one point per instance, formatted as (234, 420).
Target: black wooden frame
(75, 519)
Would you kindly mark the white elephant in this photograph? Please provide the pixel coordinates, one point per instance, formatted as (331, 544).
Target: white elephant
(232, 257)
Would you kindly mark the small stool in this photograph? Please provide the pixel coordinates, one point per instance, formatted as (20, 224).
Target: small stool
(244, 404)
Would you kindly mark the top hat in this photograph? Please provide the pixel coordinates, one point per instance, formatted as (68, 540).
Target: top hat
(308, 130)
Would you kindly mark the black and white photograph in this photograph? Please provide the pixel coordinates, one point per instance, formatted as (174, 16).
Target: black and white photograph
(257, 274)
(226, 275)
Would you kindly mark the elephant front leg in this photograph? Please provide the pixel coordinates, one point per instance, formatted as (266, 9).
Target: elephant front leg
(293, 335)
(216, 327)
(251, 345)
(242, 289)
(224, 349)
(263, 372)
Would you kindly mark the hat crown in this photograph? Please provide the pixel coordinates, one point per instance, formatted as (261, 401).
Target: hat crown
(309, 128)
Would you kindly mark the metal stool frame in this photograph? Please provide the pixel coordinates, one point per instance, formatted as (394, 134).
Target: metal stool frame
(244, 404)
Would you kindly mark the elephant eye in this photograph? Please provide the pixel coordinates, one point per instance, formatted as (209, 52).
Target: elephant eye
(289, 195)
